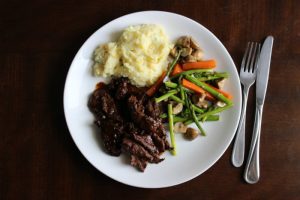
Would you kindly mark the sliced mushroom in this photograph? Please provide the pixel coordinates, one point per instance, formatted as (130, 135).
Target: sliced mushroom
(177, 108)
(194, 44)
(186, 51)
(184, 41)
(174, 52)
(179, 127)
(220, 104)
(221, 83)
(202, 104)
(198, 54)
(199, 100)
(191, 133)
(190, 58)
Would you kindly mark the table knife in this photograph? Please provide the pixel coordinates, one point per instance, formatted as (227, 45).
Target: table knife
(252, 171)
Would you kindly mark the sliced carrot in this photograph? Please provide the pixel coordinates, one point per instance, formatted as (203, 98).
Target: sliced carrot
(196, 89)
(177, 69)
(226, 94)
(205, 64)
(150, 92)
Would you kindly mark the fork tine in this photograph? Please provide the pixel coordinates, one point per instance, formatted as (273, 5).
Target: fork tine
(257, 57)
(250, 54)
(253, 56)
(245, 57)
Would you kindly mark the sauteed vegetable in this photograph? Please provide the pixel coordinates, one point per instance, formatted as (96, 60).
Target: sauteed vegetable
(192, 91)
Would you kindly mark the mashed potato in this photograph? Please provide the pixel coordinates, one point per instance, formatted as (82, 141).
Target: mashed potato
(140, 54)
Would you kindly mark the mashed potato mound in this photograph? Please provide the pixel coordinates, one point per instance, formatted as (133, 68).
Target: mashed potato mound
(140, 54)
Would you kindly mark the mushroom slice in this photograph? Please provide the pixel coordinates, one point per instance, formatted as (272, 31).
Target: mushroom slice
(177, 108)
(191, 133)
(202, 104)
(200, 101)
(186, 51)
(184, 41)
(194, 44)
(174, 51)
(198, 97)
(190, 58)
(220, 104)
(198, 54)
(221, 83)
(179, 127)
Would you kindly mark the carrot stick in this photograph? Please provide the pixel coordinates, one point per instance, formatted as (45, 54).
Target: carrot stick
(206, 64)
(226, 94)
(150, 92)
(196, 89)
(177, 69)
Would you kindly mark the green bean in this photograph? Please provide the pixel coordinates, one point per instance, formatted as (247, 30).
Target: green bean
(197, 109)
(197, 122)
(186, 100)
(191, 72)
(177, 99)
(212, 118)
(170, 84)
(207, 88)
(171, 129)
(209, 118)
(173, 64)
(181, 88)
(215, 111)
(178, 119)
(210, 76)
(181, 92)
(165, 96)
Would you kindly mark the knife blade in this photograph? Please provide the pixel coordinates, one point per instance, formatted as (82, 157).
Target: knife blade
(263, 68)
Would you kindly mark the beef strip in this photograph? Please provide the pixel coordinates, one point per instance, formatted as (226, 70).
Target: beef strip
(154, 126)
(108, 119)
(140, 164)
(152, 109)
(147, 142)
(151, 125)
(159, 142)
(125, 89)
(136, 109)
(103, 105)
(133, 148)
(112, 135)
(114, 84)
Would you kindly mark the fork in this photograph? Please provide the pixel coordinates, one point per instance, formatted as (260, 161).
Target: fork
(247, 77)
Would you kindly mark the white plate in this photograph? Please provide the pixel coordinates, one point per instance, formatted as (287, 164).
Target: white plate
(194, 157)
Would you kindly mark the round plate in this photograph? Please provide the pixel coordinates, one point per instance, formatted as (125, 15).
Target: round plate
(193, 157)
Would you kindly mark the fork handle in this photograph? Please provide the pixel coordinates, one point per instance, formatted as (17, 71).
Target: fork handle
(238, 152)
(252, 171)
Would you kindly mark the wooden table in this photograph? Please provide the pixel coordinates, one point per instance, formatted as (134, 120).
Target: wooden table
(38, 40)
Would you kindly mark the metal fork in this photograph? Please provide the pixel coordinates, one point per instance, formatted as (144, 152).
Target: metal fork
(247, 76)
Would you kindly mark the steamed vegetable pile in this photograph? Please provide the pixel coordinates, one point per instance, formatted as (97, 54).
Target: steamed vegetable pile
(191, 90)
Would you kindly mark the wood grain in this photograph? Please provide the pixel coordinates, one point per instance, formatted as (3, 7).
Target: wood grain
(38, 159)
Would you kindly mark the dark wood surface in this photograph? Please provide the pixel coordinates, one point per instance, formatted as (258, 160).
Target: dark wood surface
(38, 40)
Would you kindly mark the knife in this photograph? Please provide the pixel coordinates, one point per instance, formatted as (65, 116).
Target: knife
(252, 171)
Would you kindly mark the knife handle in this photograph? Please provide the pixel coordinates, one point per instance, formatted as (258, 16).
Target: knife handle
(237, 157)
(252, 171)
